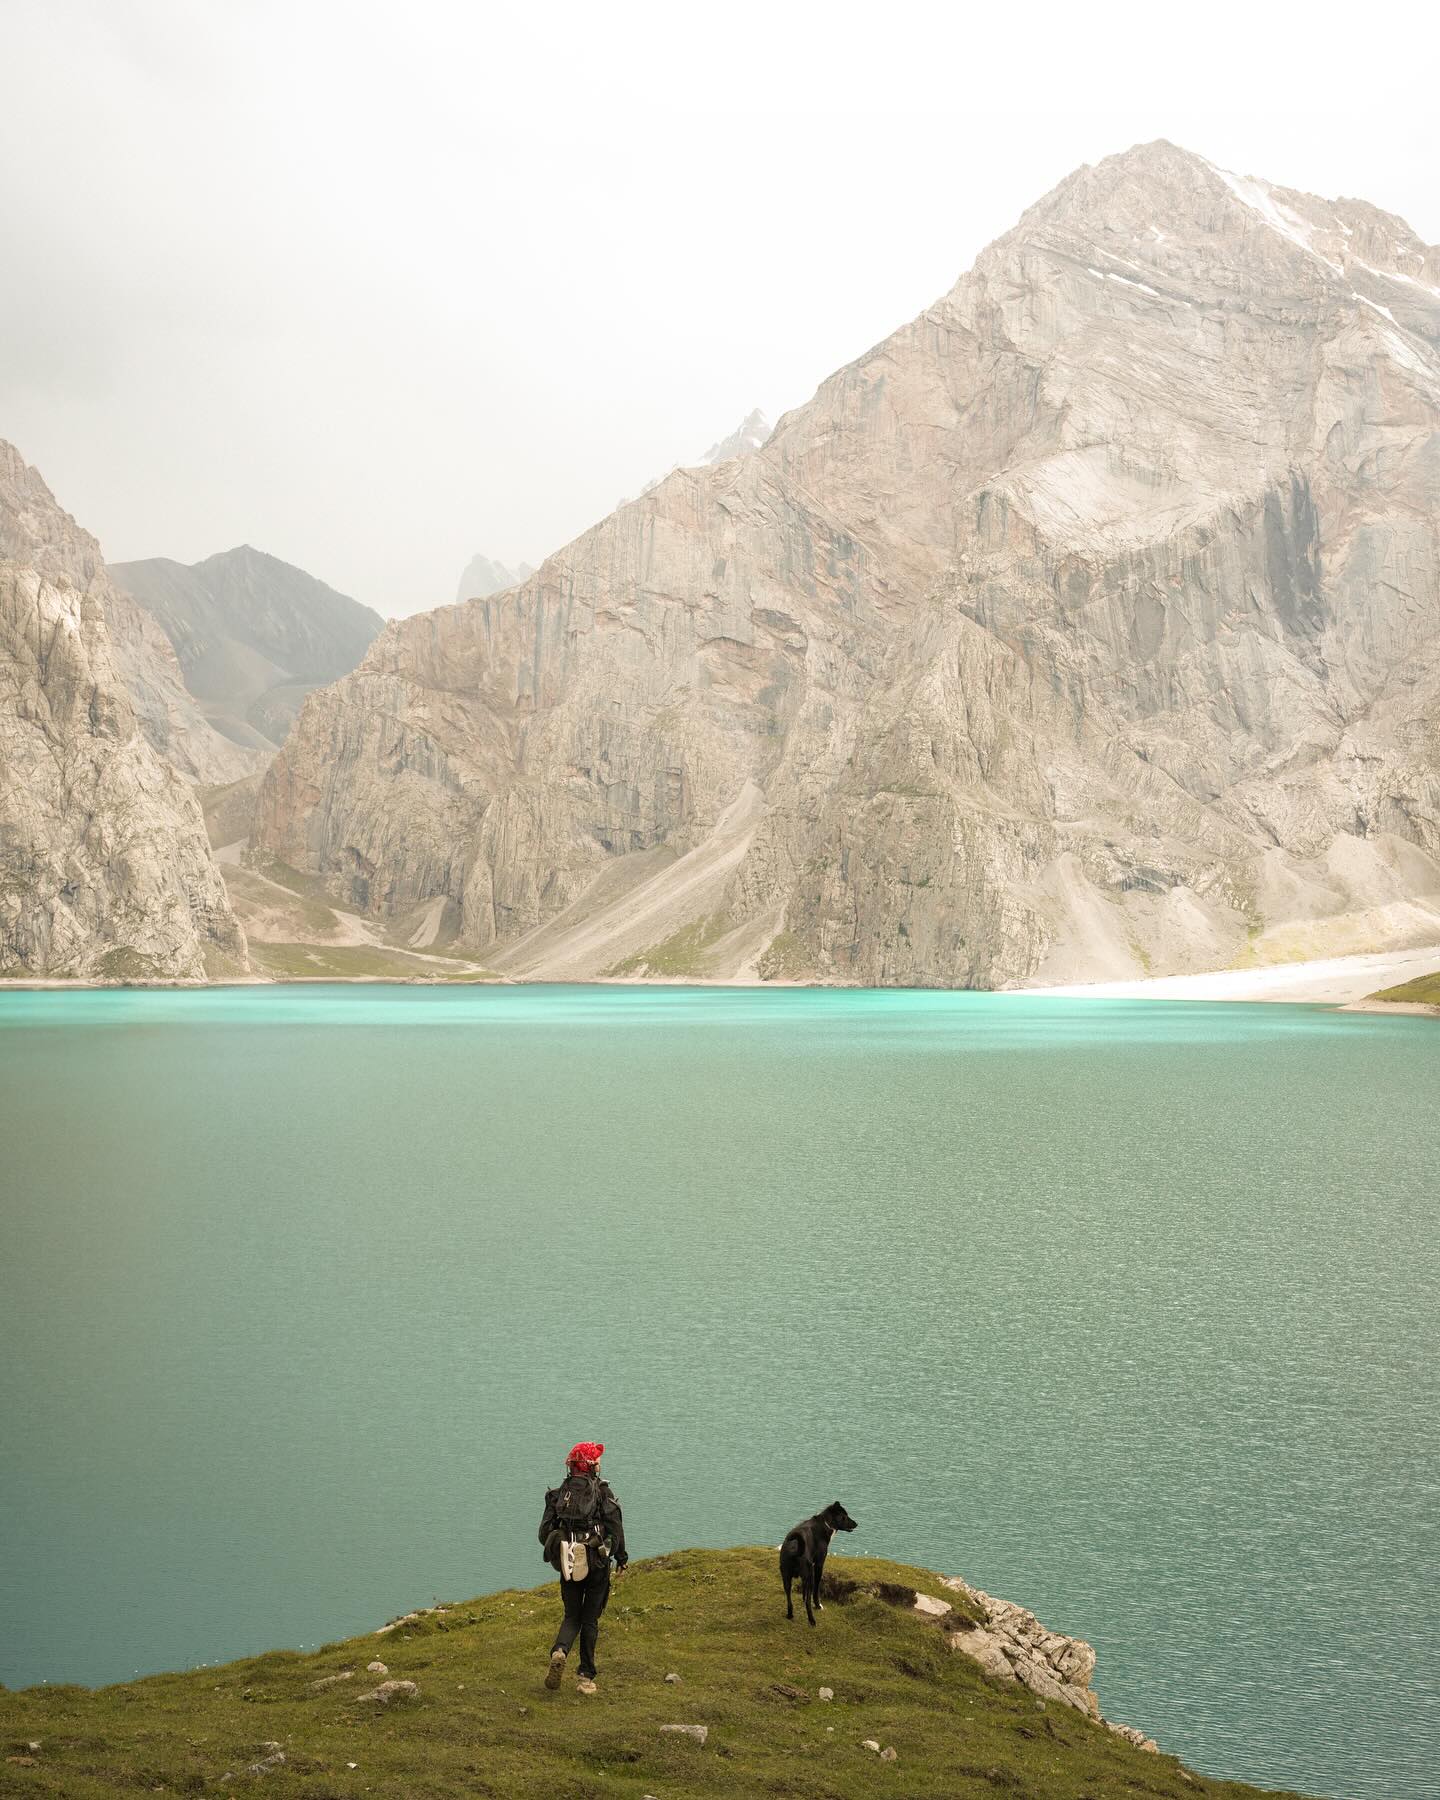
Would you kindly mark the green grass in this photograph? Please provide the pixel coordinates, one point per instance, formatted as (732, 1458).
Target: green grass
(349, 962)
(680, 955)
(283, 874)
(785, 959)
(483, 1724)
(1423, 990)
(220, 965)
(124, 964)
(249, 894)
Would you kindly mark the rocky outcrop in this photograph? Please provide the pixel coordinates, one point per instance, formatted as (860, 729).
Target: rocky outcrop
(251, 636)
(105, 869)
(1012, 1646)
(1087, 626)
(390, 1691)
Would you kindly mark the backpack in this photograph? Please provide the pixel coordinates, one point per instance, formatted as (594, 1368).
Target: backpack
(576, 1505)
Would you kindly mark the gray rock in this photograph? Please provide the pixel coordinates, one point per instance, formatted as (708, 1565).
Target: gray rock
(105, 866)
(389, 1691)
(827, 1693)
(889, 1754)
(985, 1648)
(698, 1732)
(330, 1681)
(673, 1679)
(376, 1668)
(1133, 1736)
(870, 1744)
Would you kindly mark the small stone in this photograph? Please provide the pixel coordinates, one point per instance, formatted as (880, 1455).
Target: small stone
(377, 1668)
(889, 1754)
(391, 1690)
(698, 1732)
(352, 1765)
(33, 1746)
(673, 1679)
(1132, 1735)
(827, 1693)
(329, 1681)
(870, 1744)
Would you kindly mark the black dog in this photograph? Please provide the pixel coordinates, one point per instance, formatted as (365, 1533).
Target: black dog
(803, 1553)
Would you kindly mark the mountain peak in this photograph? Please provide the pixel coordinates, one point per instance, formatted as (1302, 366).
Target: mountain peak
(1158, 193)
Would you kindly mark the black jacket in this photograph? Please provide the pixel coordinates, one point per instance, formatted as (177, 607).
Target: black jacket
(607, 1518)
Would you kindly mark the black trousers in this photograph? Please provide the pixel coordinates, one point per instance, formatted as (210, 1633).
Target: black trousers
(584, 1602)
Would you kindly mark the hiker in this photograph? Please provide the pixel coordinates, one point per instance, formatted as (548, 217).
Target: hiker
(582, 1532)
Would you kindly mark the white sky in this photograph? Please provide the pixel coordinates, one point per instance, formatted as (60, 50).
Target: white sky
(375, 287)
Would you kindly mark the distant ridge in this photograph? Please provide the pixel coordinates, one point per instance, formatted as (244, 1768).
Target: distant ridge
(483, 577)
(253, 634)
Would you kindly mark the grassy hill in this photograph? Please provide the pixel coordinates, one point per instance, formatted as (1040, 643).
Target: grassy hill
(482, 1724)
(1424, 990)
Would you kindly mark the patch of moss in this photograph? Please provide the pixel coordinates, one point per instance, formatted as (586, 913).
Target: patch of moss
(680, 955)
(124, 964)
(283, 874)
(220, 965)
(784, 959)
(482, 1724)
(248, 893)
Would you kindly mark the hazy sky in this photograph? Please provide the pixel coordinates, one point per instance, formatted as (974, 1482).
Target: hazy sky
(375, 287)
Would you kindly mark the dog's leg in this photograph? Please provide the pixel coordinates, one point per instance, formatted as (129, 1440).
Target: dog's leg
(819, 1577)
(807, 1575)
(789, 1603)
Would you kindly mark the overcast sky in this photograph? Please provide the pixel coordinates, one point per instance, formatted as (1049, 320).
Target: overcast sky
(375, 287)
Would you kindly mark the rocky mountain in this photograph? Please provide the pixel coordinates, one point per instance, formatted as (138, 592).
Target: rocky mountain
(105, 869)
(1087, 626)
(483, 577)
(252, 635)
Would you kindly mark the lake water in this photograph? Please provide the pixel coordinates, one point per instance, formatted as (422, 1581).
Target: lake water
(1124, 1310)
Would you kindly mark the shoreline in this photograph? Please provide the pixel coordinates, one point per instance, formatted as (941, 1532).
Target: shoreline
(1344, 982)
(1341, 981)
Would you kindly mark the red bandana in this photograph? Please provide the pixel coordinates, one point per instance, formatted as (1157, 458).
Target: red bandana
(584, 1459)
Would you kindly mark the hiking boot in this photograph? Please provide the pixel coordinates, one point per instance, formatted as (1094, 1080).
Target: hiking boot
(585, 1684)
(556, 1670)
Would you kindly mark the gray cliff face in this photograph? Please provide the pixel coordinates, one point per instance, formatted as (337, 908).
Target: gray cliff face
(1088, 626)
(250, 636)
(483, 577)
(105, 869)
(167, 713)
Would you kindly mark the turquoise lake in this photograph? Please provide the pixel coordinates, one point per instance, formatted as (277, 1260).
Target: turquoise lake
(1123, 1310)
